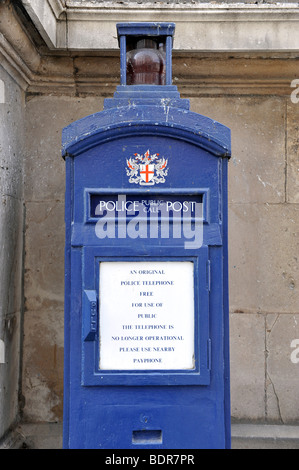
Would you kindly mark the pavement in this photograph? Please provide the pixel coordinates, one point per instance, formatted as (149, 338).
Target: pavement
(244, 436)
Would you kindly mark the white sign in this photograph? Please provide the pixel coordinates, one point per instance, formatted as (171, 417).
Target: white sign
(146, 315)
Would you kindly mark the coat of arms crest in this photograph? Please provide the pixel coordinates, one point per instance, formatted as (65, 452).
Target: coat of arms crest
(147, 169)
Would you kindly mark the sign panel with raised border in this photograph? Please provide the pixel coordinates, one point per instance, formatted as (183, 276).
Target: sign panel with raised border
(146, 315)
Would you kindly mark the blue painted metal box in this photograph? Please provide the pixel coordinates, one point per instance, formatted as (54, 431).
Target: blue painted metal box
(146, 275)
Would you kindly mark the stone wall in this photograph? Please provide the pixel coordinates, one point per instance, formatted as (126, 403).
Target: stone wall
(44, 247)
(12, 101)
(263, 248)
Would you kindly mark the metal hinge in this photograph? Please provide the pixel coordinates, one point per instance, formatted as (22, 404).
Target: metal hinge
(209, 275)
(90, 314)
(209, 353)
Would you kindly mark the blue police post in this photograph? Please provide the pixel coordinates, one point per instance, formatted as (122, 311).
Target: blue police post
(146, 268)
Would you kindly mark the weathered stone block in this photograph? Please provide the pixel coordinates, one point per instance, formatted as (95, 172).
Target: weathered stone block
(11, 245)
(11, 138)
(292, 152)
(44, 261)
(257, 166)
(11, 255)
(43, 365)
(247, 357)
(282, 391)
(45, 118)
(263, 247)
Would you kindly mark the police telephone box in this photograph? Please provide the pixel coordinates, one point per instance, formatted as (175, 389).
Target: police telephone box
(146, 268)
